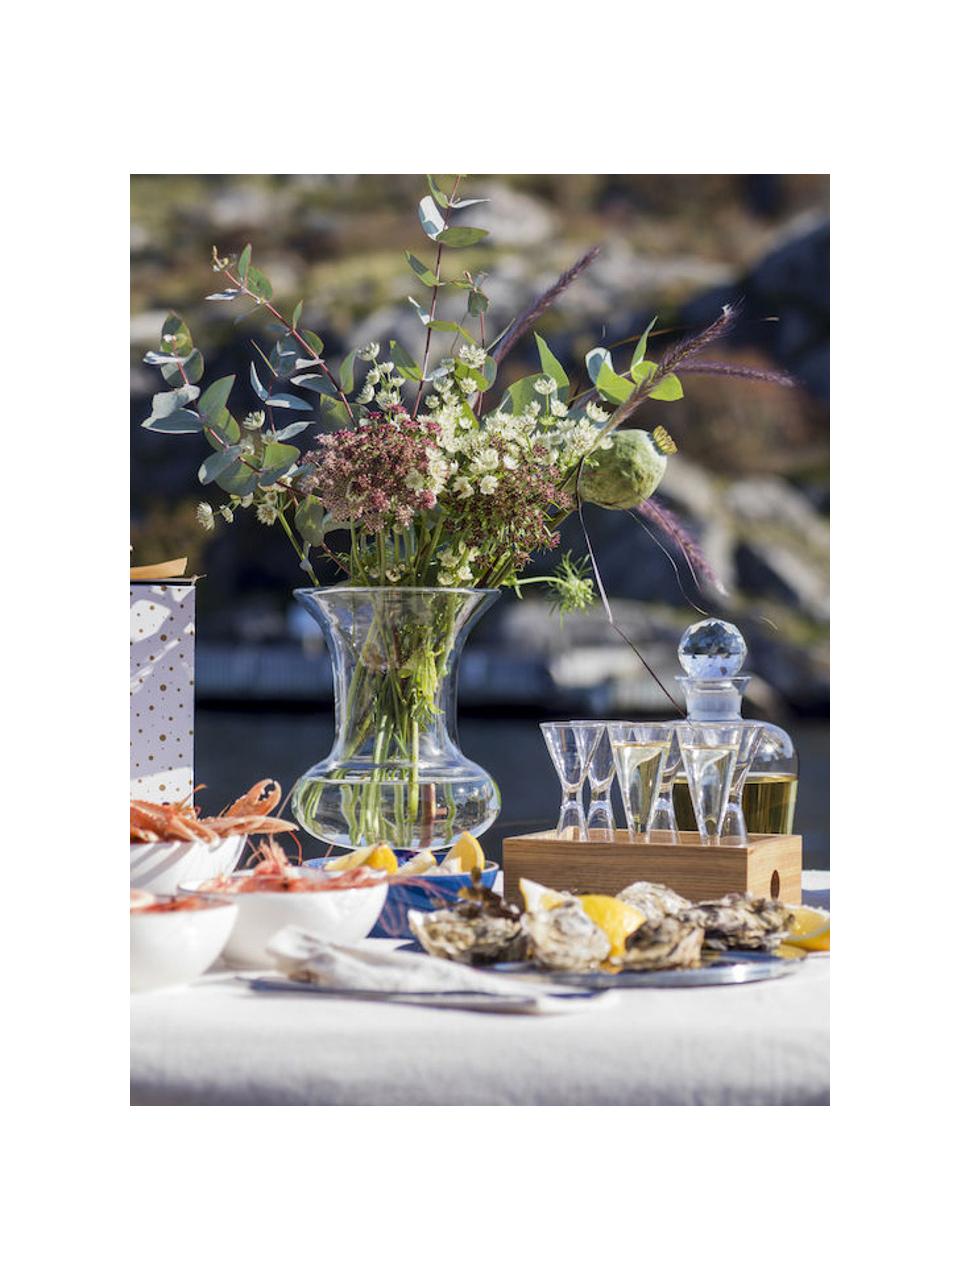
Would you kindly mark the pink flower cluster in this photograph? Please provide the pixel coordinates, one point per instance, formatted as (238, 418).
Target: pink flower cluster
(360, 473)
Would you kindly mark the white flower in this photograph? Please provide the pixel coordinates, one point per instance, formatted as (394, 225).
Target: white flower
(447, 579)
(473, 357)
(254, 421)
(465, 573)
(386, 366)
(509, 462)
(373, 376)
(266, 513)
(227, 513)
(393, 575)
(463, 488)
(205, 515)
(468, 386)
(386, 398)
(488, 484)
(558, 408)
(415, 480)
(533, 409)
(545, 386)
(370, 351)
(595, 413)
(432, 402)
(366, 395)
(487, 460)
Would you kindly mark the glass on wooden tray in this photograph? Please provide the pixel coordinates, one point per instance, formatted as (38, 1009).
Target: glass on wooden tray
(710, 750)
(570, 750)
(640, 751)
(595, 746)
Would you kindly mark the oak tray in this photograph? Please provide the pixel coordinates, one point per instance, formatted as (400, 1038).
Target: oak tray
(766, 865)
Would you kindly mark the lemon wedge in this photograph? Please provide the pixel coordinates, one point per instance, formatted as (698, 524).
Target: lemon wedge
(467, 850)
(537, 897)
(350, 860)
(382, 858)
(418, 865)
(811, 929)
(616, 918)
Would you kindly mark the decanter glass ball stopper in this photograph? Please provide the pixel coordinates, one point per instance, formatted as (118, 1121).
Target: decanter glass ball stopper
(712, 650)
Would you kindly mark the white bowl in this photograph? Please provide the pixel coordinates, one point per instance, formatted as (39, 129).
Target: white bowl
(160, 867)
(335, 915)
(168, 948)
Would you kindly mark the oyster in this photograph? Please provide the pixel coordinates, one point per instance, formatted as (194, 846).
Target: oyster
(481, 929)
(655, 900)
(669, 943)
(741, 922)
(564, 937)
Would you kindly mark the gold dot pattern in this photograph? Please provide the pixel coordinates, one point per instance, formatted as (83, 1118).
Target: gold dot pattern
(162, 638)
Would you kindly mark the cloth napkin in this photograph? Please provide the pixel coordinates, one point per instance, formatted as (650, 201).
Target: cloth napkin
(371, 970)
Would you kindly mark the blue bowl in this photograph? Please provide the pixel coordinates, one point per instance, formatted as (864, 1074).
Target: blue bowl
(417, 893)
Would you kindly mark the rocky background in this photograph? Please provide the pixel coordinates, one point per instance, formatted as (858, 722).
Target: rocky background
(751, 479)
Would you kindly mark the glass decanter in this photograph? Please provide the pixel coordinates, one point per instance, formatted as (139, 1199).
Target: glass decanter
(763, 793)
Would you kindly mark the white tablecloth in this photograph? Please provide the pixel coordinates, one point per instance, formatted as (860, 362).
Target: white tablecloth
(218, 1043)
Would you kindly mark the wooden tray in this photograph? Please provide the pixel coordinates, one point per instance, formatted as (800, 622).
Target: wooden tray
(767, 865)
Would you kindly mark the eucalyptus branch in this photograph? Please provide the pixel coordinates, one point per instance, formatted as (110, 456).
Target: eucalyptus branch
(434, 295)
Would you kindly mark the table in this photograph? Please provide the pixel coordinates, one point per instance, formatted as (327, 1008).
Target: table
(217, 1043)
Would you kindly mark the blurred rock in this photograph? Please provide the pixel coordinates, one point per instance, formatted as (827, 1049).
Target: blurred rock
(512, 217)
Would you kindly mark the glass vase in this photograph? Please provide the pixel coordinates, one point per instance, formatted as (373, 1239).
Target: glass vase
(395, 773)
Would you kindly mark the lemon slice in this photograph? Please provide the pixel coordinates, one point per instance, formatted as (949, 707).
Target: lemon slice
(616, 918)
(382, 858)
(350, 860)
(418, 865)
(811, 929)
(467, 850)
(537, 897)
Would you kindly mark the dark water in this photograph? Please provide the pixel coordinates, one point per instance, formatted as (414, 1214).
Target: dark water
(236, 748)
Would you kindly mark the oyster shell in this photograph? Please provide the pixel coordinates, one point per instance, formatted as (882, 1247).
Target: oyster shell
(656, 901)
(481, 929)
(564, 937)
(741, 922)
(669, 943)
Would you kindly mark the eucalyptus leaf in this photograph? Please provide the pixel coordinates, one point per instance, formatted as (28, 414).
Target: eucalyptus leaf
(594, 359)
(477, 302)
(159, 357)
(258, 284)
(421, 271)
(222, 430)
(640, 350)
(422, 315)
(333, 413)
(226, 296)
(291, 430)
(314, 382)
(448, 326)
(551, 366)
(239, 480)
(215, 397)
(167, 402)
(179, 422)
(243, 262)
(461, 237)
(404, 362)
(192, 370)
(285, 355)
(313, 341)
(175, 336)
(259, 388)
(465, 204)
(284, 400)
(277, 461)
(611, 386)
(436, 191)
(643, 370)
(520, 394)
(297, 313)
(217, 463)
(313, 522)
(430, 217)
(346, 371)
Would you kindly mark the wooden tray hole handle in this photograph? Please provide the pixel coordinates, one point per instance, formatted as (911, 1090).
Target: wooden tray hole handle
(775, 885)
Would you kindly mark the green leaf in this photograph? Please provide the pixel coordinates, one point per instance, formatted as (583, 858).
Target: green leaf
(439, 195)
(227, 429)
(215, 397)
(668, 389)
(610, 385)
(448, 326)
(334, 413)
(243, 262)
(277, 459)
(312, 521)
(461, 237)
(314, 382)
(175, 336)
(430, 217)
(297, 313)
(404, 362)
(217, 463)
(643, 370)
(640, 350)
(520, 394)
(346, 372)
(239, 480)
(551, 366)
(422, 315)
(291, 430)
(192, 370)
(258, 284)
(313, 341)
(167, 402)
(477, 302)
(421, 271)
(285, 355)
(179, 422)
(257, 385)
(284, 400)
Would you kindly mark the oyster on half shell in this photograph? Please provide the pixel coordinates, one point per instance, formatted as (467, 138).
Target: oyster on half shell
(564, 937)
(669, 943)
(656, 901)
(741, 922)
(481, 929)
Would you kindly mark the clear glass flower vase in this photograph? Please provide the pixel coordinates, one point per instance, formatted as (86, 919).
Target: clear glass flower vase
(395, 773)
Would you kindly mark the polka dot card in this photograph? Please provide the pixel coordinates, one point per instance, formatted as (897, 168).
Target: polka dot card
(162, 630)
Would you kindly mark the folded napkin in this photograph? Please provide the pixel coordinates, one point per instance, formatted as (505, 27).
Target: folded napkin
(370, 970)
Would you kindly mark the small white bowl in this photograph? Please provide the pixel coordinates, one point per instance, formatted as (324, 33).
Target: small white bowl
(169, 948)
(160, 867)
(334, 915)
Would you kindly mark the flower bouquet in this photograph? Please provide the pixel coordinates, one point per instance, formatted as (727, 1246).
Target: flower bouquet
(428, 488)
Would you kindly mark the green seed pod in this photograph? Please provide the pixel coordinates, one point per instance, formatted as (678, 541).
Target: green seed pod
(627, 473)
